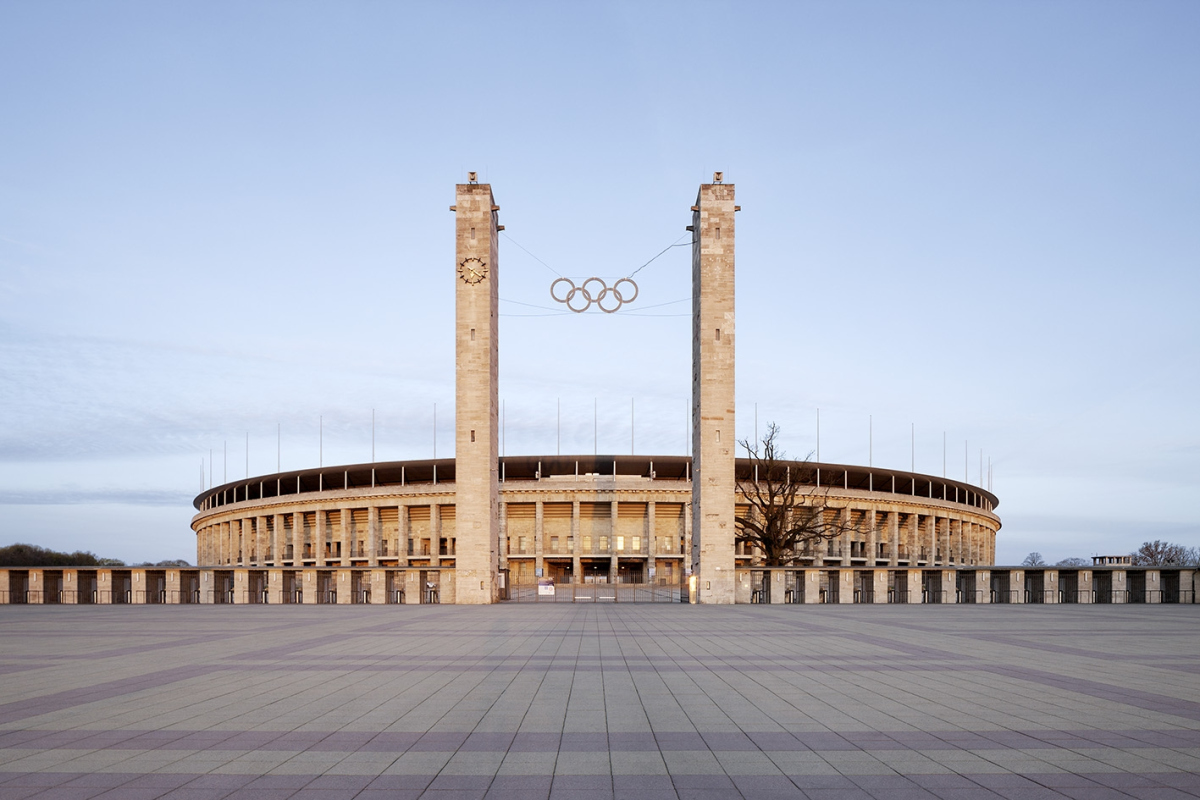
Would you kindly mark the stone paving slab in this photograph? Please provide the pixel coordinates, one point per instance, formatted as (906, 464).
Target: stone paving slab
(622, 701)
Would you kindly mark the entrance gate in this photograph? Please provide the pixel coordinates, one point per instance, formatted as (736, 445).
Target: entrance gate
(551, 592)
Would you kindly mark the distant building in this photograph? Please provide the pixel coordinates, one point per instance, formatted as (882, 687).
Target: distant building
(1111, 561)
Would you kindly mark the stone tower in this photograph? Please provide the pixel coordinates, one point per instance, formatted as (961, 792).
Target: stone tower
(713, 438)
(476, 436)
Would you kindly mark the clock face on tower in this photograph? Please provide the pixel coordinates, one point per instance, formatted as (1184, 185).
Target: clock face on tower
(472, 270)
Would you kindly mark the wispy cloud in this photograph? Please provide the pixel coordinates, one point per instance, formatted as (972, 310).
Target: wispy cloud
(68, 497)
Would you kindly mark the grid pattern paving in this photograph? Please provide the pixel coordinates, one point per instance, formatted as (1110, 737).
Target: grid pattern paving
(623, 701)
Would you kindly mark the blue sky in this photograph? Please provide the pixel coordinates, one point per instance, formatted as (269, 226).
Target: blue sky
(978, 219)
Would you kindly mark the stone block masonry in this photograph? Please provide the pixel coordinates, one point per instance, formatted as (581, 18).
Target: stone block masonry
(476, 416)
(714, 442)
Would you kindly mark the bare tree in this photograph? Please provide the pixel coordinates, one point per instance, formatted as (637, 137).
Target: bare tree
(1074, 561)
(786, 516)
(1159, 554)
(1034, 560)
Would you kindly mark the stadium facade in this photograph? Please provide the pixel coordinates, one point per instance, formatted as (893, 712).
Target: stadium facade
(610, 519)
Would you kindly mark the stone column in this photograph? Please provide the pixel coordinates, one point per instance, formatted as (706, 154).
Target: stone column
(476, 428)
(1153, 586)
(913, 581)
(435, 534)
(275, 580)
(778, 586)
(893, 538)
(872, 543)
(812, 586)
(412, 587)
(651, 544)
(844, 540)
(1051, 586)
(687, 541)
(345, 584)
(504, 537)
(318, 539)
(310, 587)
(379, 586)
(576, 543)
(931, 538)
(880, 585)
(613, 526)
(1085, 586)
(1016, 585)
(241, 586)
(539, 540)
(845, 586)
(913, 540)
(70, 585)
(983, 582)
(713, 436)
(345, 535)
(373, 539)
(37, 585)
(171, 586)
(207, 586)
(403, 532)
(261, 545)
(297, 539)
(279, 539)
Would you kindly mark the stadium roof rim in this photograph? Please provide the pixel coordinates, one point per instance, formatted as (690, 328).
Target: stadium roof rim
(668, 468)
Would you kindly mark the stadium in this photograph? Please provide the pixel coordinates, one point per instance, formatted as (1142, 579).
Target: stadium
(582, 520)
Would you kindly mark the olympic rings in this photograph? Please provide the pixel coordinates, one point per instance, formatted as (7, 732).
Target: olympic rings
(594, 290)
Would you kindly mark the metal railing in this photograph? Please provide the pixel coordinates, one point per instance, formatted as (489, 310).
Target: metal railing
(935, 596)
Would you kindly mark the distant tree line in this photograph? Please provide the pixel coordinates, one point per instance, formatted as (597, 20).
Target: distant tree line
(1150, 554)
(1161, 554)
(30, 555)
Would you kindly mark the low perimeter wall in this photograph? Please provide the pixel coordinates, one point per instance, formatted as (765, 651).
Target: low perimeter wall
(967, 585)
(773, 585)
(238, 586)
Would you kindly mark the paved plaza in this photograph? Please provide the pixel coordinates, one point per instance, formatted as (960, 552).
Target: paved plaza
(577, 701)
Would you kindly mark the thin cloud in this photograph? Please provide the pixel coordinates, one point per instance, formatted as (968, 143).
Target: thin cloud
(75, 497)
